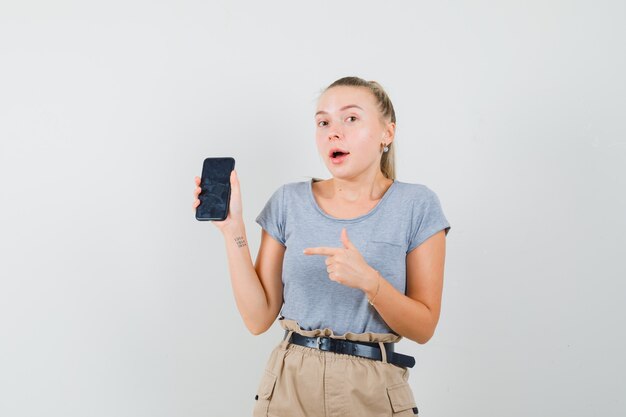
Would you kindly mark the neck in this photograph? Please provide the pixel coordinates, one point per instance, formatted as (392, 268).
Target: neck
(368, 187)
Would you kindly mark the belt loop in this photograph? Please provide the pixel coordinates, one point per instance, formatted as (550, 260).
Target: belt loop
(286, 339)
(383, 351)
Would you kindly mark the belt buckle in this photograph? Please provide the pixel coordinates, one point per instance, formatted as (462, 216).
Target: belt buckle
(320, 344)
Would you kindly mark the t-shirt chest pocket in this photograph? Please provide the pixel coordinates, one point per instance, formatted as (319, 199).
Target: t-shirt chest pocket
(385, 247)
(388, 256)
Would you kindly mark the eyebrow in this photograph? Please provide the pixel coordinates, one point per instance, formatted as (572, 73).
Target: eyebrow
(341, 109)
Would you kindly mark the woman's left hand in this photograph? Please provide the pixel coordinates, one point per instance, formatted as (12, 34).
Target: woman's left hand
(346, 265)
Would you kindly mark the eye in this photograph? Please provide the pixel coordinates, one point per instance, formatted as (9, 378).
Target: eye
(322, 123)
(351, 118)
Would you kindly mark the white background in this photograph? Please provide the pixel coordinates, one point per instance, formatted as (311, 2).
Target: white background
(115, 301)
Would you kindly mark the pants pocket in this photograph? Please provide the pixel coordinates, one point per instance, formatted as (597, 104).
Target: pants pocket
(264, 394)
(402, 400)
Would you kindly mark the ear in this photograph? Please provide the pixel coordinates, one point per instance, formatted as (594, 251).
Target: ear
(390, 132)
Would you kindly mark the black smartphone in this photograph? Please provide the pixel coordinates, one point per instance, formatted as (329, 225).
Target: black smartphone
(215, 184)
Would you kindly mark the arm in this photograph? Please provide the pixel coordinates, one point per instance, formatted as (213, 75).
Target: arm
(257, 289)
(414, 315)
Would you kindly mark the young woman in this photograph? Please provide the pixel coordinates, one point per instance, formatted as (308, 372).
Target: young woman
(352, 264)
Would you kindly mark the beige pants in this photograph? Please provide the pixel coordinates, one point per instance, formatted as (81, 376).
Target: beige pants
(300, 381)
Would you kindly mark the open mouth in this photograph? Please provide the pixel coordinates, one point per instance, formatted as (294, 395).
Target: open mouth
(336, 154)
(338, 157)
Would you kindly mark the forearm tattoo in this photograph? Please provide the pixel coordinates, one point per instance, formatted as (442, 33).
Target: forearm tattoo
(241, 242)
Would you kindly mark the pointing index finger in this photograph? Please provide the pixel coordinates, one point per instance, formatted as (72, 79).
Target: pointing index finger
(320, 251)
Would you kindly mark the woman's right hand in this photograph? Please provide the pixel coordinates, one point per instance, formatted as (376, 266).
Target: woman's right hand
(235, 210)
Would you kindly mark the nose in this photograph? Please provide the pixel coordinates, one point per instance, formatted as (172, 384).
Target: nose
(335, 134)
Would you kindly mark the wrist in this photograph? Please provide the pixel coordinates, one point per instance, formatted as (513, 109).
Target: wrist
(234, 229)
(373, 284)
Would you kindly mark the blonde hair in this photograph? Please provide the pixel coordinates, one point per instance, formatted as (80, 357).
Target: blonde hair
(387, 161)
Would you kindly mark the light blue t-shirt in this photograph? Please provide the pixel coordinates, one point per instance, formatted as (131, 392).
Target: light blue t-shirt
(406, 216)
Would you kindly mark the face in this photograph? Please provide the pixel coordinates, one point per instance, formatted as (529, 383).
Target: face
(348, 119)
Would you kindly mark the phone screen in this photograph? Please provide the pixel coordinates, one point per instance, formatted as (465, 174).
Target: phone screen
(215, 184)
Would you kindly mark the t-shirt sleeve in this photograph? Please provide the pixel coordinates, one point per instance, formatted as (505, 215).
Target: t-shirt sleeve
(428, 219)
(272, 217)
